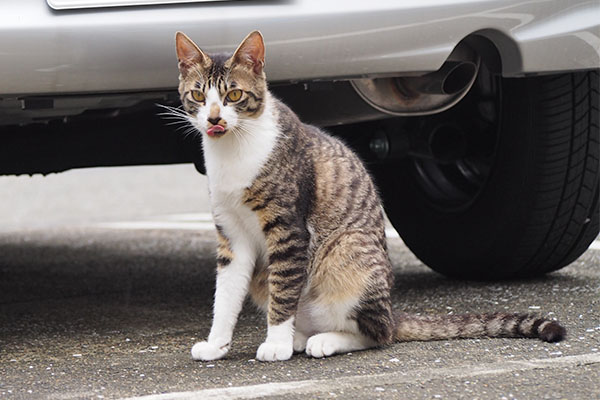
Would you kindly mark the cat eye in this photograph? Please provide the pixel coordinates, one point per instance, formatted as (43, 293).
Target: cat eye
(197, 95)
(234, 95)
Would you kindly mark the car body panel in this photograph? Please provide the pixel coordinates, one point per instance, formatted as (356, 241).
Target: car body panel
(79, 4)
(44, 51)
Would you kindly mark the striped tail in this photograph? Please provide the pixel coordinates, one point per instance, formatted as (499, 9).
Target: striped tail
(411, 327)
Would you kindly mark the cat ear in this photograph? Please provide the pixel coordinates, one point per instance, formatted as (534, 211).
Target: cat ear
(188, 53)
(251, 52)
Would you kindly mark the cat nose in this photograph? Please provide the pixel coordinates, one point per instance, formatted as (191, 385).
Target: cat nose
(214, 121)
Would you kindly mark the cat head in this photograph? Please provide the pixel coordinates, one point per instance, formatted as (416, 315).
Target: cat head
(222, 93)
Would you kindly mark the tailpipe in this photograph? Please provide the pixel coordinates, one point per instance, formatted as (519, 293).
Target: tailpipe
(453, 77)
(423, 95)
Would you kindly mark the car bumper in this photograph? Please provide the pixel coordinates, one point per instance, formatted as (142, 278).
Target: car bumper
(44, 51)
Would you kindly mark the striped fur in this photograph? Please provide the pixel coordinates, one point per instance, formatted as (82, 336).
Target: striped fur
(300, 227)
(412, 327)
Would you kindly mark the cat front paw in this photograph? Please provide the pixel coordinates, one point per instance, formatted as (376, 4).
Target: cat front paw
(274, 351)
(207, 351)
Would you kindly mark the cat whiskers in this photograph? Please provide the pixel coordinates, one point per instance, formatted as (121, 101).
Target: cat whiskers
(172, 112)
(243, 133)
(246, 133)
(179, 117)
(250, 127)
(240, 134)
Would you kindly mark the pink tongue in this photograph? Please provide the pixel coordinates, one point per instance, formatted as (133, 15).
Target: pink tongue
(215, 129)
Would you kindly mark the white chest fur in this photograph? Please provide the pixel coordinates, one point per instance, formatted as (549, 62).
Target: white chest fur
(232, 163)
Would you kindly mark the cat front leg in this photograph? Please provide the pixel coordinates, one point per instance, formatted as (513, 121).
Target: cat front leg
(234, 270)
(279, 345)
(288, 260)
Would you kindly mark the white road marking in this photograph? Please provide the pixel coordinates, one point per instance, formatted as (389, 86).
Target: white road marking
(189, 221)
(187, 217)
(204, 222)
(313, 386)
(168, 225)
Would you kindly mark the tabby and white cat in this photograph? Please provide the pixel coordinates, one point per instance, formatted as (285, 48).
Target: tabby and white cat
(300, 225)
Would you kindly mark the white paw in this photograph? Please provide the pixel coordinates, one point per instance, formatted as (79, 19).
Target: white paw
(206, 351)
(274, 351)
(299, 342)
(321, 345)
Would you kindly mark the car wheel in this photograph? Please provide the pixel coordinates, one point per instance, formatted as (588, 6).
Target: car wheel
(523, 199)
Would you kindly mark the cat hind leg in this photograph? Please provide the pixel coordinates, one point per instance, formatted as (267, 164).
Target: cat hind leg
(350, 295)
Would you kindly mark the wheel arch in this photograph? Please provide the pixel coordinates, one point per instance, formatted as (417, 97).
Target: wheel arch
(498, 50)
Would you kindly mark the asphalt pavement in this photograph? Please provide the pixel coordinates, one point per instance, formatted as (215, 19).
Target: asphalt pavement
(106, 281)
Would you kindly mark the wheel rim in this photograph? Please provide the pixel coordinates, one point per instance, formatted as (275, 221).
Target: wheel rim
(453, 185)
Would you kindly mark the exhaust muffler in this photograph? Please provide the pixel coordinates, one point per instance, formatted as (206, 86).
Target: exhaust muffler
(422, 95)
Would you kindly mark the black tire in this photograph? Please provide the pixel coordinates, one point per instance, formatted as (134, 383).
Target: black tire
(538, 208)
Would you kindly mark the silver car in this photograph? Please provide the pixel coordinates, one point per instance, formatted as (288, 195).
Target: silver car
(478, 119)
